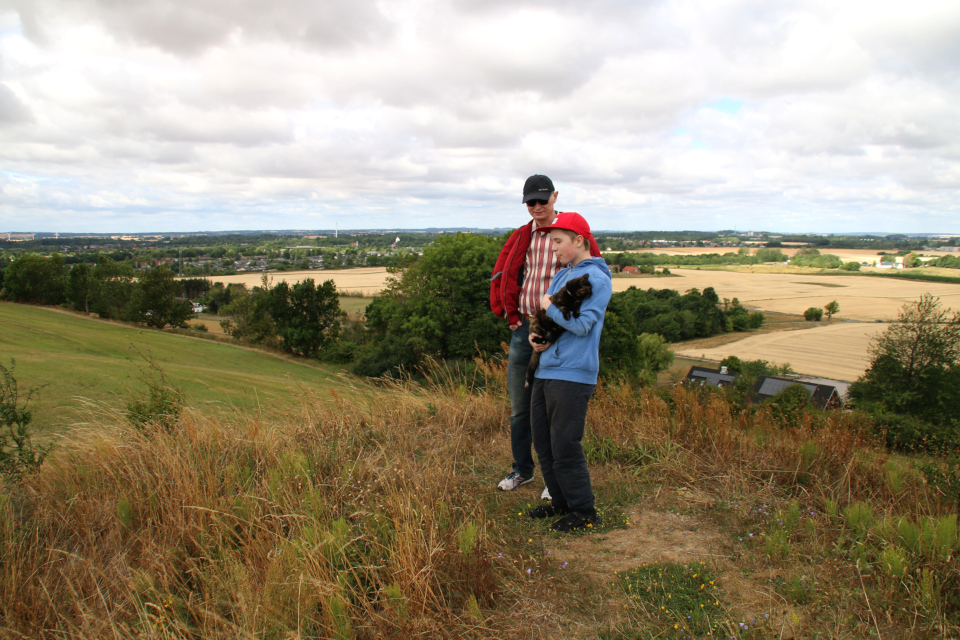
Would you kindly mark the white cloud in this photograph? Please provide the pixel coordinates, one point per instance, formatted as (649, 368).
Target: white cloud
(168, 114)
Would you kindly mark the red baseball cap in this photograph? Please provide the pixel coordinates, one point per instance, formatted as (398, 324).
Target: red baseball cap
(570, 221)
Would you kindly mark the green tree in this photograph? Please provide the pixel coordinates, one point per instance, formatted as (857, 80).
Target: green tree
(831, 308)
(619, 348)
(155, 299)
(915, 365)
(36, 279)
(436, 307)
(306, 316)
(654, 353)
(79, 286)
(813, 314)
(111, 285)
(246, 317)
(770, 255)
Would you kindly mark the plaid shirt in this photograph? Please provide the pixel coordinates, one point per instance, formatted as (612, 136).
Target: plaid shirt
(539, 267)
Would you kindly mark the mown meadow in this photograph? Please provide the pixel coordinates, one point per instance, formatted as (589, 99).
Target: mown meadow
(80, 361)
(370, 512)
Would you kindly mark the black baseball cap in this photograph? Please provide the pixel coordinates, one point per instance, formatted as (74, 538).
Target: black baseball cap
(537, 187)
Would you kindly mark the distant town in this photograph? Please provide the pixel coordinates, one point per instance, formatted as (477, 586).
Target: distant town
(225, 253)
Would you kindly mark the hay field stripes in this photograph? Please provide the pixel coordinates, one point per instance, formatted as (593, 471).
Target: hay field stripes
(366, 281)
(835, 350)
(860, 298)
(847, 255)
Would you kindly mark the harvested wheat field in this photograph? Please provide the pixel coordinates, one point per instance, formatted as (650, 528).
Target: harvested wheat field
(860, 297)
(870, 256)
(363, 280)
(835, 350)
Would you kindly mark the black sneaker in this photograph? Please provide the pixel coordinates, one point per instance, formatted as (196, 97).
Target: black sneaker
(576, 520)
(546, 511)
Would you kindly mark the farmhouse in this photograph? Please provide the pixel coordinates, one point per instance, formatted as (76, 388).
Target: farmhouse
(822, 396)
(711, 377)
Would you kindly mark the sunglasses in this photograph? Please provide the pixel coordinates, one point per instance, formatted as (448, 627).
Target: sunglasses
(533, 203)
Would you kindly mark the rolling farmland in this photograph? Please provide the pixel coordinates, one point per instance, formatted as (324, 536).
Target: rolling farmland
(860, 298)
(837, 349)
(363, 280)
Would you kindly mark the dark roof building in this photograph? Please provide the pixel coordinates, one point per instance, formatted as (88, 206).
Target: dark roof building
(822, 396)
(712, 377)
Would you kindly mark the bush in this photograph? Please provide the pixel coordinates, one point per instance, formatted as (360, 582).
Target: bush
(18, 453)
(850, 266)
(910, 433)
(813, 314)
(161, 404)
(787, 407)
(340, 352)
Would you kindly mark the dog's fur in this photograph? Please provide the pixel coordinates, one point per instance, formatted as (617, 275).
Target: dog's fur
(568, 301)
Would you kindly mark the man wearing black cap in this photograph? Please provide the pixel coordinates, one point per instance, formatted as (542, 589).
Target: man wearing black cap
(522, 275)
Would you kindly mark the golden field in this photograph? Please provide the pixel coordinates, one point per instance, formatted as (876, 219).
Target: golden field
(835, 349)
(860, 298)
(363, 280)
(870, 256)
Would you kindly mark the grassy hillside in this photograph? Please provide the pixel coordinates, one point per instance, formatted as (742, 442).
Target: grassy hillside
(328, 516)
(381, 520)
(99, 361)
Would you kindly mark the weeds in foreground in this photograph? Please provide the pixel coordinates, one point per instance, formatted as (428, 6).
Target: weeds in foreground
(377, 518)
(18, 452)
(680, 600)
(161, 404)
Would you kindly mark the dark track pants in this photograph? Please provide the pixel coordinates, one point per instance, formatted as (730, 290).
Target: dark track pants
(558, 412)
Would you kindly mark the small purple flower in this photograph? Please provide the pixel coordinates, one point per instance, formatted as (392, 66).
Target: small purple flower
(564, 566)
(528, 571)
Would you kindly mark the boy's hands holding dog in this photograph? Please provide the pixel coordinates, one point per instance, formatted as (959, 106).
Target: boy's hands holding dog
(537, 346)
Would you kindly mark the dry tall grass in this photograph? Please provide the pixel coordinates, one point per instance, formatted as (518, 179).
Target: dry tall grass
(370, 520)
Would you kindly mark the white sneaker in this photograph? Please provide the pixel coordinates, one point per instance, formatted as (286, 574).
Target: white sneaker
(513, 481)
(546, 494)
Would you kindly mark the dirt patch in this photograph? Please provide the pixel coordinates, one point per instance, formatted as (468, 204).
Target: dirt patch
(653, 536)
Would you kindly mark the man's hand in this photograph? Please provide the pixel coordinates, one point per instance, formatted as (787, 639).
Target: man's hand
(515, 326)
(545, 302)
(537, 346)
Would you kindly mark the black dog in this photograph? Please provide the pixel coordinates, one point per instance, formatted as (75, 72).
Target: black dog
(568, 301)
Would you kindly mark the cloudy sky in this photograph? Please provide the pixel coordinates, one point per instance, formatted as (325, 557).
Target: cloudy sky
(188, 115)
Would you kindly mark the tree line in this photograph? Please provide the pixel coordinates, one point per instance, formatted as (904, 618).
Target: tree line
(108, 288)
(742, 257)
(437, 307)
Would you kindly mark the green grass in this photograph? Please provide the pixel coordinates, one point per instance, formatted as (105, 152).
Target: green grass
(76, 357)
(676, 600)
(354, 305)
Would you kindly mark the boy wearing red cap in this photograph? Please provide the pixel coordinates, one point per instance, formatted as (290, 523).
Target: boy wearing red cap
(566, 378)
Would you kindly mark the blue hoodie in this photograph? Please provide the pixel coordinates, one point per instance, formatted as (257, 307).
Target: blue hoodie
(575, 356)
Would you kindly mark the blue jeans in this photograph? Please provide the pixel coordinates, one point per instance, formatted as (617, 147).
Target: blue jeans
(520, 439)
(558, 412)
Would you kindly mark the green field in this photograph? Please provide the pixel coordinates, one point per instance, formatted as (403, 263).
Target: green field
(354, 305)
(79, 358)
